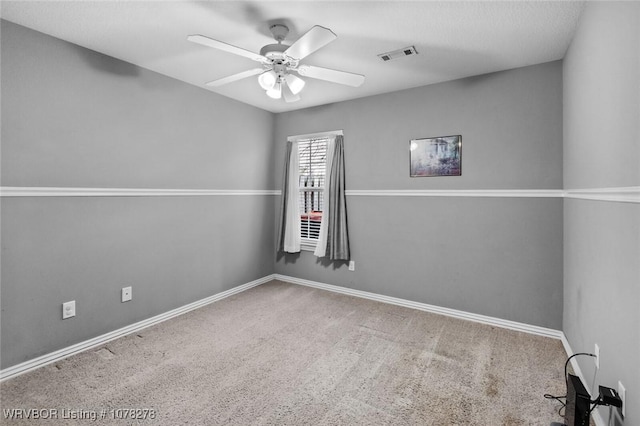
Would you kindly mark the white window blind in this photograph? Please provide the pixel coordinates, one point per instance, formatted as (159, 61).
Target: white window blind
(313, 156)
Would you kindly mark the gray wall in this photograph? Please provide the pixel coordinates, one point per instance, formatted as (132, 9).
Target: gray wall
(493, 256)
(74, 118)
(602, 239)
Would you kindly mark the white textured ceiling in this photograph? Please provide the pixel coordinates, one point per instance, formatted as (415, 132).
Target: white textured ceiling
(454, 39)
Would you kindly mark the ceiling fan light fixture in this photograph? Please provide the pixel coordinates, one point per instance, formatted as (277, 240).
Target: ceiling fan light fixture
(267, 80)
(295, 83)
(288, 95)
(276, 91)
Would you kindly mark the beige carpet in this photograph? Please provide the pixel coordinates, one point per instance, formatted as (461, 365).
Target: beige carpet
(286, 354)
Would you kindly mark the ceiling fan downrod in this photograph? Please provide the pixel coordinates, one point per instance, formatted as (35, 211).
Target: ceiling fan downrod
(275, 52)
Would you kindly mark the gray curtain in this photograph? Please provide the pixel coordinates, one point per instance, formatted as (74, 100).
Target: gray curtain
(285, 193)
(338, 234)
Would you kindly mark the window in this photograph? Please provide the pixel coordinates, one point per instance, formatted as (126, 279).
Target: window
(313, 197)
(311, 177)
(312, 154)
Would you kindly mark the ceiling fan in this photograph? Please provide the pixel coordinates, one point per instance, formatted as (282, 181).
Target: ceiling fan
(281, 62)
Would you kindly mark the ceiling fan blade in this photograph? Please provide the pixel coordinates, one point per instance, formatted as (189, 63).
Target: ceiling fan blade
(288, 94)
(235, 77)
(334, 76)
(206, 41)
(311, 41)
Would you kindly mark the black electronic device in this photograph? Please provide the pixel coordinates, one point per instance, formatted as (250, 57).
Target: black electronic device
(609, 396)
(577, 411)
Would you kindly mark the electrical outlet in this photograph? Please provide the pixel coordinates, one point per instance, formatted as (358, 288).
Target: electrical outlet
(69, 309)
(596, 352)
(126, 294)
(352, 265)
(621, 394)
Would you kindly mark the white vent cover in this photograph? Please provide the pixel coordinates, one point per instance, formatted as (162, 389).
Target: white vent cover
(400, 53)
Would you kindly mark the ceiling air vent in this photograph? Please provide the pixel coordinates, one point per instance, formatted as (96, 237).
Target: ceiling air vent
(400, 53)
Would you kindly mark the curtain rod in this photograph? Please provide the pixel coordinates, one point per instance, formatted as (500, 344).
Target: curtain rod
(315, 135)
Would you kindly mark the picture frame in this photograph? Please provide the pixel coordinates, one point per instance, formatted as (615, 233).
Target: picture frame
(436, 156)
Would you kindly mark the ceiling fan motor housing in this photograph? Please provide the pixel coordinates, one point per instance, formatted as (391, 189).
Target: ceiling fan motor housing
(275, 52)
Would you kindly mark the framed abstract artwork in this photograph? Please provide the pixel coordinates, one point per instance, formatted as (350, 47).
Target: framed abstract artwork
(439, 156)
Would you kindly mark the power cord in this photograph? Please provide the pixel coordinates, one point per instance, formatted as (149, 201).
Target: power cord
(595, 403)
(559, 399)
(566, 382)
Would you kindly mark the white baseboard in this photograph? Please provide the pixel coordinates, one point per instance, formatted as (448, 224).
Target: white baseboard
(60, 354)
(498, 322)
